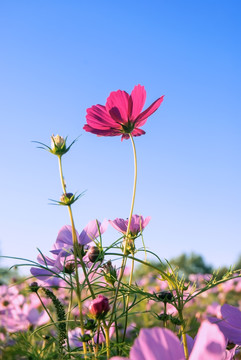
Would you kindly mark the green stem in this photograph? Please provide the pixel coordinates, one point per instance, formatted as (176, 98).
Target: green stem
(107, 339)
(127, 232)
(68, 315)
(184, 337)
(75, 246)
(128, 297)
(134, 186)
(165, 312)
(45, 308)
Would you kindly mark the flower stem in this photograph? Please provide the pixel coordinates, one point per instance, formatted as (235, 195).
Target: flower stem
(128, 297)
(184, 337)
(45, 308)
(127, 232)
(75, 246)
(68, 315)
(107, 339)
(134, 188)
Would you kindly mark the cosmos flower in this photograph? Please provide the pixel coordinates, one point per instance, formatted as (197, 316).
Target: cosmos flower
(158, 343)
(230, 324)
(138, 223)
(121, 115)
(64, 241)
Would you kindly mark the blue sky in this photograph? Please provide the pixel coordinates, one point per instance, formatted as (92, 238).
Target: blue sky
(59, 58)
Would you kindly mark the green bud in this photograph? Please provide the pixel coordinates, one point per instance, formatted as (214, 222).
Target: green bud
(110, 273)
(90, 324)
(164, 317)
(85, 338)
(34, 286)
(175, 321)
(67, 199)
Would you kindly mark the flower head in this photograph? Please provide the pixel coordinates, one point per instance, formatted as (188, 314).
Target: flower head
(121, 115)
(138, 223)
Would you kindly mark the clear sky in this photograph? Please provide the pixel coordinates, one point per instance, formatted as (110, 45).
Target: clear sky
(60, 57)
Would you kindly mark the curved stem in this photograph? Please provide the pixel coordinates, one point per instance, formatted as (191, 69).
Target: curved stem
(127, 232)
(134, 188)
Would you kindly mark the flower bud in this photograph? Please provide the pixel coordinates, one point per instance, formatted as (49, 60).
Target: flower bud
(90, 324)
(99, 307)
(69, 267)
(165, 296)
(58, 145)
(57, 141)
(85, 338)
(67, 199)
(34, 286)
(110, 273)
(94, 253)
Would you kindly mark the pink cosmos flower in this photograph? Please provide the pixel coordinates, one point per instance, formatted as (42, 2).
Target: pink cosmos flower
(158, 343)
(121, 115)
(138, 223)
(230, 324)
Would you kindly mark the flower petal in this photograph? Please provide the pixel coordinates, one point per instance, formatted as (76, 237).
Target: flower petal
(155, 344)
(141, 120)
(210, 343)
(98, 118)
(117, 105)
(232, 315)
(138, 98)
(108, 132)
(119, 224)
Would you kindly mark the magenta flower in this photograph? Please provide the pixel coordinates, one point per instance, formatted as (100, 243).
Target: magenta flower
(158, 343)
(138, 223)
(121, 114)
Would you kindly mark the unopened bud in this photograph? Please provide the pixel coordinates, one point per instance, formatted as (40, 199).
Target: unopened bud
(85, 338)
(165, 296)
(94, 253)
(110, 273)
(58, 145)
(69, 267)
(67, 199)
(57, 141)
(90, 324)
(34, 286)
(99, 307)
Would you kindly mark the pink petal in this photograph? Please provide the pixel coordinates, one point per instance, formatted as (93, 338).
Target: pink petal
(141, 120)
(108, 132)
(156, 344)
(117, 105)
(210, 343)
(98, 118)
(138, 132)
(89, 233)
(119, 224)
(65, 235)
(138, 98)
(232, 315)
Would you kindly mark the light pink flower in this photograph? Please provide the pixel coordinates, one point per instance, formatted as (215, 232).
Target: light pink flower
(121, 115)
(138, 223)
(158, 343)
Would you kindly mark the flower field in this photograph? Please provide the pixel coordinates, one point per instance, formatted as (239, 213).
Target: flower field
(87, 300)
